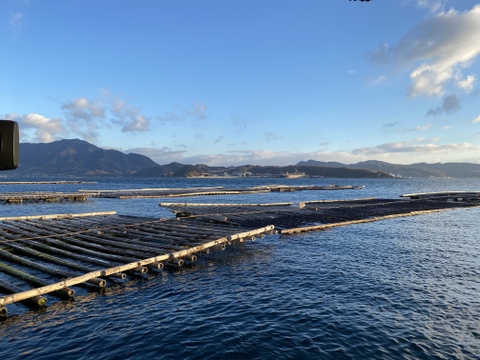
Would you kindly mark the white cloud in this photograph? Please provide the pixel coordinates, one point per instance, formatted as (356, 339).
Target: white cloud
(467, 83)
(436, 51)
(44, 130)
(476, 120)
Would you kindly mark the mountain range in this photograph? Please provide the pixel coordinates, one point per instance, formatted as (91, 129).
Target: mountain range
(73, 157)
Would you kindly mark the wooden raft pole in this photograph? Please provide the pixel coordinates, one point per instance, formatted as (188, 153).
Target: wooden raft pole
(9, 299)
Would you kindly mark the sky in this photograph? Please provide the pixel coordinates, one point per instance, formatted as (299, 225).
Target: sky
(230, 82)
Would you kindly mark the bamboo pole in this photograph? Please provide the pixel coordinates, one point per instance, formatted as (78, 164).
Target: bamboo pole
(62, 291)
(93, 244)
(72, 255)
(5, 300)
(121, 245)
(55, 260)
(176, 263)
(38, 301)
(78, 249)
(55, 216)
(46, 269)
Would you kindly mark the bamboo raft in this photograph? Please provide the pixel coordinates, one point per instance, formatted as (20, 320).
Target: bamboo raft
(292, 218)
(50, 254)
(21, 197)
(52, 182)
(446, 195)
(208, 191)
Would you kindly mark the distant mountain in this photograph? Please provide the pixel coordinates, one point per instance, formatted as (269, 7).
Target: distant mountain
(454, 170)
(76, 158)
(80, 158)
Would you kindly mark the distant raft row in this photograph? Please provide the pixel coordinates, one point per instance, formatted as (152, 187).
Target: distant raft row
(44, 196)
(209, 191)
(50, 254)
(82, 195)
(292, 218)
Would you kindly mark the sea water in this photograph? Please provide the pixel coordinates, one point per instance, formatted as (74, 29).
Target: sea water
(403, 288)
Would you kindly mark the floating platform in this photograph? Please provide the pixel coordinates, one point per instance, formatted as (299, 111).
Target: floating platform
(292, 218)
(50, 254)
(446, 195)
(82, 195)
(20, 197)
(208, 191)
(52, 182)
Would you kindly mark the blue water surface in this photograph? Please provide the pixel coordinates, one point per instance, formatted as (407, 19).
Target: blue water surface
(403, 288)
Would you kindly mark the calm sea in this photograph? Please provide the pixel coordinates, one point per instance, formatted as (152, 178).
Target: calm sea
(405, 288)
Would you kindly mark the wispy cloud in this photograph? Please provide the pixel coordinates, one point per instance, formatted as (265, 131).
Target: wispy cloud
(379, 80)
(417, 146)
(476, 120)
(418, 150)
(84, 117)
(269, 136)
(415, 129)
(219, 139)
(436, 52)
(196, 112)
(450, 104)
(16, 21)
(389, 126)
(432, 5)
(129, 117)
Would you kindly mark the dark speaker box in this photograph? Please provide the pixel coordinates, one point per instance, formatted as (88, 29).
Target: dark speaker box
(8, 145)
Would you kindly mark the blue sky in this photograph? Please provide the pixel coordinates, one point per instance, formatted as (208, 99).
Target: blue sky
(227, 82)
